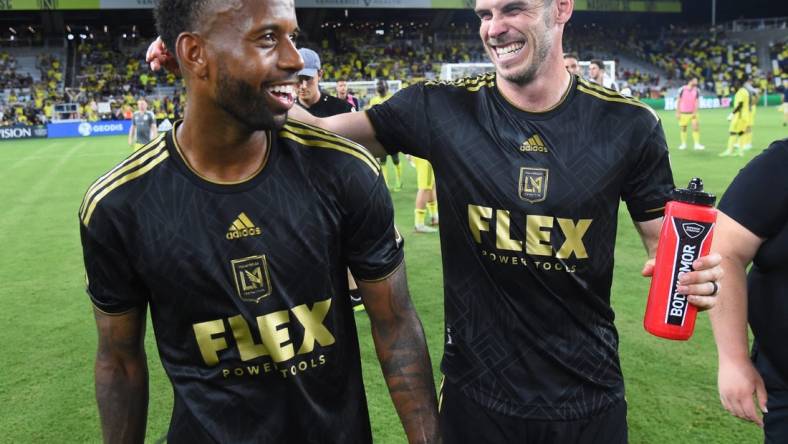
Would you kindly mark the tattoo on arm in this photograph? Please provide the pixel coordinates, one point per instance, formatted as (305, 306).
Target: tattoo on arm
(404, 359)
(122, 376)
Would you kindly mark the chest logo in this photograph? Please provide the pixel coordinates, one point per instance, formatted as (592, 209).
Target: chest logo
(532, 186)
(534, 144)
(242, 227)
(252, 280)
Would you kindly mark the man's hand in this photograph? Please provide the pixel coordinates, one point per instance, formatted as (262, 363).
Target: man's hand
(159, 57)
(700, 285)
(737, 382)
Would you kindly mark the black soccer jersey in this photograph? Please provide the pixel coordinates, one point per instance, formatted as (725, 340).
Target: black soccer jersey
(247, 283)
(329, 106)
(529, 205)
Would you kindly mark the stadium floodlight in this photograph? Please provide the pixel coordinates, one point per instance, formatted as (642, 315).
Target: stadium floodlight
(70, 36)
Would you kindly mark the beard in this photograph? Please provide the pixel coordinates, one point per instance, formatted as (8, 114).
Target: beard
(541, 44)
(246, 103)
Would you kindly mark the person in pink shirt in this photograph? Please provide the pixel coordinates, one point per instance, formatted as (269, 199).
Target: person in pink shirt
(687, 111)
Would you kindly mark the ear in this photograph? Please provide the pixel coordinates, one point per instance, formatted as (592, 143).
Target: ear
(192, 55)
(564, 10)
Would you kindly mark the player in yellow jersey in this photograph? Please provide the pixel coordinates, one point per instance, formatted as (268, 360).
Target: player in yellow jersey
(383, 95)
(739, 119)
(747, 138)
(425, 197)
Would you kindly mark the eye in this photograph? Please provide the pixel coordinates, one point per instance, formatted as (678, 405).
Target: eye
(484, 15)
(267, 40)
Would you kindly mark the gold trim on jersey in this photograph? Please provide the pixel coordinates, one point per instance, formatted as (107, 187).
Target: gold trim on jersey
(121, 168)
(106, 313)
(473, 84)
(383, 278)
(221, 182)
(134, 169)
(440, 393)
(610, 95)
(557, 104)
(654, 210)
(305, 129)
(319, 140)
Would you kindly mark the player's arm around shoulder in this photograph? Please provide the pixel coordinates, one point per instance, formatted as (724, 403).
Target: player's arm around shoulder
(402, 350)
(354, 126)
(121, 374)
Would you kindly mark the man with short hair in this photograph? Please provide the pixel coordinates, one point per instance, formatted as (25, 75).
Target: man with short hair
(571, 64)
(143, 126)
(596, 73)
(344, 94)
(317, 102)
(236, 228)
(687, 106)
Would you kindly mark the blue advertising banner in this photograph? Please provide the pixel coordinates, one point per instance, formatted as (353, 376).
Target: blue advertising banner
(89, 129)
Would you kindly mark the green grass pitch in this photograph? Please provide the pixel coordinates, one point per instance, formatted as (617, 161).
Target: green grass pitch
(49, 339)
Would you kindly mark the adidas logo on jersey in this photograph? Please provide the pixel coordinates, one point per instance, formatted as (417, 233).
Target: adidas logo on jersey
(534, 144)
(242, 227)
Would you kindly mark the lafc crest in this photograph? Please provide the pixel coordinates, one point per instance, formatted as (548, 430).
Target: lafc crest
(533, 182)
(252, 280)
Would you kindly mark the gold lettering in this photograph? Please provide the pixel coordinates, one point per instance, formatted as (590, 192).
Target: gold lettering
(247, 347)
(478, 220)
(210, 346)
(253, 370)
(276, 340)
(503, 239)
(314, 330)
(537, 240)
(533, 184)
(574, 238)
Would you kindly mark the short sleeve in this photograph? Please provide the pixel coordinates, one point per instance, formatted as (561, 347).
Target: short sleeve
(758, 196)
(112, 284)
(650, 179)
(402, 122)
(373, 246)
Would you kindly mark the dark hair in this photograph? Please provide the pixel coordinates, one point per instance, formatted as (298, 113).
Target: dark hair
(570, 55)
(176, 16)
(598, 63)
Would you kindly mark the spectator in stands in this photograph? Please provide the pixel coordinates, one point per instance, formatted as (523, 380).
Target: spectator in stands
(344, 94)
(596, 71)
(570, 61)
(317, 102)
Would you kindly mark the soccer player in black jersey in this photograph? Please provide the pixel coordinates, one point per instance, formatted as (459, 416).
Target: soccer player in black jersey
(531, 164)
(235, 229)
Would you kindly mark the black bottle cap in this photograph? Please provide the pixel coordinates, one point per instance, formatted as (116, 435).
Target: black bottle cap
(694, 194)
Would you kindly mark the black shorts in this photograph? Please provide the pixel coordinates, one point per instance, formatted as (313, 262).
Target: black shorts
(464, 421)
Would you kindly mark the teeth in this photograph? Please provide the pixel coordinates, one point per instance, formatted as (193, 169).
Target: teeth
(283, 89)
(510, 48)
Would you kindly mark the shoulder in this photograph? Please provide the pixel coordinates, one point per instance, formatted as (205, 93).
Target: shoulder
(110, 189)
(613, 101)
(333, 151)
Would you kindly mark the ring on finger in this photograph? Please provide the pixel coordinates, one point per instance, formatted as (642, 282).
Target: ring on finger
(715, 288)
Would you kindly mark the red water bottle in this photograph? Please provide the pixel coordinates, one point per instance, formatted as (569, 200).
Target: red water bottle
(685, 236)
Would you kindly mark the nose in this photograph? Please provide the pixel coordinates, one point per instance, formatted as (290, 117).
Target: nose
(289, 58)
(497, 26)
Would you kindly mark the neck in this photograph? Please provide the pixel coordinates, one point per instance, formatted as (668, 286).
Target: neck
(543, 92)
(218, 146)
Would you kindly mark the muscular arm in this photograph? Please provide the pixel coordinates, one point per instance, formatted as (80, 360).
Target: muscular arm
(737, 378)
(402, 351)
(353, 126)
(122, 376)
(132, 129)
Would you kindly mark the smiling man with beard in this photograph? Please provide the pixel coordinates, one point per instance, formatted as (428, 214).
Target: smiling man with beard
(531, 164)
(236, 229)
